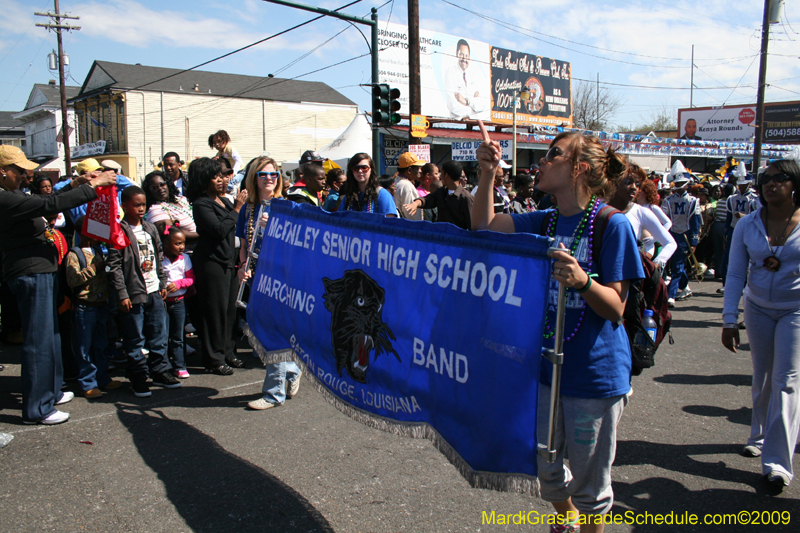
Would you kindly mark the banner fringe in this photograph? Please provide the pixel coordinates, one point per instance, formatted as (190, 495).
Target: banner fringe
(516, 483)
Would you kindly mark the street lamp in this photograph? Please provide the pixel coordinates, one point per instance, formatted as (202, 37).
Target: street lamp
(525, 95)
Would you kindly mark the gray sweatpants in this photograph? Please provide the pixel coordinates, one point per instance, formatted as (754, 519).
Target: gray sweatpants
(775, 349)
(587, 428)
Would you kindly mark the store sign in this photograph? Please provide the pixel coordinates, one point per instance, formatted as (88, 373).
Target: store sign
(421, 151)
(782, 123)
(466, 151)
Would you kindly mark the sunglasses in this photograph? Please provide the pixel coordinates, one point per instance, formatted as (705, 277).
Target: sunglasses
(362, 168)
(777, 178)
(552, 153)
(268, 175)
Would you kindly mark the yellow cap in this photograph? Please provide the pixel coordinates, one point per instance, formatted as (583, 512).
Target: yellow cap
(408, 159)
(88, 165)
(11, 155)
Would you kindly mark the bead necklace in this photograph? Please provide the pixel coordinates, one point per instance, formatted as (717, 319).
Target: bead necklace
(369, 207)
(589, 215)
(251, 227)
(772, 263)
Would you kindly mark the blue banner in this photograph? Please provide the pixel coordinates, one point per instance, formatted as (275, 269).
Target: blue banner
(418, 328)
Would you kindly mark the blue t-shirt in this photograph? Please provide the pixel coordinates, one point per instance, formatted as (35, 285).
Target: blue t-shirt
(384, 206)
(597, 361)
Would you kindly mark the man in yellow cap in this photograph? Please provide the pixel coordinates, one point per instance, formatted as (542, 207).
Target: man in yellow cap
(409, 168)
(30, 262)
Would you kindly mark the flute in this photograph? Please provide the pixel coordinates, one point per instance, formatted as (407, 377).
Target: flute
(258, 231)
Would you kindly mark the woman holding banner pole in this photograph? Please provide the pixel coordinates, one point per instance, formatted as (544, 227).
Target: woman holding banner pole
(596, 371)
(263, 183)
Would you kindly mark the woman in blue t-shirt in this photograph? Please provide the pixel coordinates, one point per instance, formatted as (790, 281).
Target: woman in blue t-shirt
(595, 381)
(361, 191)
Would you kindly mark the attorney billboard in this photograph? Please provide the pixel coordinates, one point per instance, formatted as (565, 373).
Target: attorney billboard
(738, 123)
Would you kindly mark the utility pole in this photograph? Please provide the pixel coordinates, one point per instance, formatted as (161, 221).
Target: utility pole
(762, 86)
(58, 27)
(414, 86)
(597, 104)
(691, 82)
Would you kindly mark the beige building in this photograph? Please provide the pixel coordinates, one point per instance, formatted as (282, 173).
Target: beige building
(135, 114)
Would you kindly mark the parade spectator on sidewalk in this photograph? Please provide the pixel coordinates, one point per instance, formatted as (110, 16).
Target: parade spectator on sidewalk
(409, 168)
(335, 181)
(765, 254)
(452, 201)
(313, 183)
(523, 201)
(221, 141)
(361, 191)
(171, 163)
(30, 260)
(166, 207)
(214, 260)
(137, 275)
(597, 360)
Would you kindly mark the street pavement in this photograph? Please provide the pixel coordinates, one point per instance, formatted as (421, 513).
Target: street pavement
(194, 459)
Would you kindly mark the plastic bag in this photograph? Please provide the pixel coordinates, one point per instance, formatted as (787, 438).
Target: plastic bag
(101, 221)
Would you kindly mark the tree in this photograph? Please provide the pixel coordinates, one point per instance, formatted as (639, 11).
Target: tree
(662, 120)
(592, 110)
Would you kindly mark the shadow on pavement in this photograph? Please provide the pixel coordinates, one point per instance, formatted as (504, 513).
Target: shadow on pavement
(737, 416)
(660, 496)
(739, 380)
(211, 488)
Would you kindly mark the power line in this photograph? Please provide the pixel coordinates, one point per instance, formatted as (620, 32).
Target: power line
(532, 33)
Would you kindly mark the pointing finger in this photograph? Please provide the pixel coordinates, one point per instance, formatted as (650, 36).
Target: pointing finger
(484, 132)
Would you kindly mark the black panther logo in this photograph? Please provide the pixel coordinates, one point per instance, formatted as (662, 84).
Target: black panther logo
(355, 302)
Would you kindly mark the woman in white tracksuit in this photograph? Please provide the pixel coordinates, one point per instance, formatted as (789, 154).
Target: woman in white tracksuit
(767, 244)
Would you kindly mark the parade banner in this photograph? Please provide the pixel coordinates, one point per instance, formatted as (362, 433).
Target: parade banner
(425, 330)
(549, 82)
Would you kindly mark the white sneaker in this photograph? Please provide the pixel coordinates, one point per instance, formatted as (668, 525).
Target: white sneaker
(56, 417)
(261, 404)
(684, 294)
(294, 386)
(671, 302)
(66, 397)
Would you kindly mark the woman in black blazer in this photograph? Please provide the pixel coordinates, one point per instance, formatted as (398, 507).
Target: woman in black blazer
(214, 262)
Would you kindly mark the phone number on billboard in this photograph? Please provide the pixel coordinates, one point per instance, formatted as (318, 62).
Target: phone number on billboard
(783, 132)
(394, 74)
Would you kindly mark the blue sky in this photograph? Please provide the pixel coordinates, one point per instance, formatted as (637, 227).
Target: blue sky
(635, 44)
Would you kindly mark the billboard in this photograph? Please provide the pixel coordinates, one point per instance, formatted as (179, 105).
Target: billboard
(738, 123)
(455, 77)
(462, 78)
(548, 80)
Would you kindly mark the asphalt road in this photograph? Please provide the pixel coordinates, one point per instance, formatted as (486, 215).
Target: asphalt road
(194, 459)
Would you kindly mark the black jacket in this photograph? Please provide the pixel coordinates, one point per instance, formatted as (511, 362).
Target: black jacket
(455, 208)
(23, 243)
(125, 266)
(216, 227)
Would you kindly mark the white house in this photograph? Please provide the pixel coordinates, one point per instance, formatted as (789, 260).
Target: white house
(42, 121)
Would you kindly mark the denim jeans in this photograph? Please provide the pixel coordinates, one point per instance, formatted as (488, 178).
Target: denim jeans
(680, 279)
(42, 368)
(145, 326)
(89, 341)
(176, 319)
(274, 387)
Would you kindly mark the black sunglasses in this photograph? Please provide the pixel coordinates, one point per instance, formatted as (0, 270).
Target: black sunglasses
(552, 153)
(778, 178)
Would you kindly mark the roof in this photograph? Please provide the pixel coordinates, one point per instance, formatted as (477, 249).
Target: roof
(106, 75)
(10, 125)
(53, 93)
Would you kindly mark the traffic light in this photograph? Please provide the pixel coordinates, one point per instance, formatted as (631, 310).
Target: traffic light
(381, 104)
(394, 106)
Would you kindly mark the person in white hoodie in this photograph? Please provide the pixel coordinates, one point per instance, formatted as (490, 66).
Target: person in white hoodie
(765, 253)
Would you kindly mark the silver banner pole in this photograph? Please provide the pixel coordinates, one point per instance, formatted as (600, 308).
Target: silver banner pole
(555, 356)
